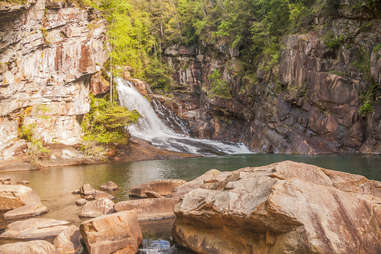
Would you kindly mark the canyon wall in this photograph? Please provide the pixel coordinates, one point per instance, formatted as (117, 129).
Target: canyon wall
(324, 95)
(49, 51)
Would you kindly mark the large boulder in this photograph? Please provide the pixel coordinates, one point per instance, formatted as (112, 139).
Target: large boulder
(149, 209)
(15, 196)
(69, 241)
(158, 187)
(31, 247)
(115, 233)
(285, 207)
(97, 208)
(35, 229)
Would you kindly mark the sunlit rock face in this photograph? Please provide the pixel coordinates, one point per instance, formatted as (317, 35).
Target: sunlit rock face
(48, 53)
(284, 207)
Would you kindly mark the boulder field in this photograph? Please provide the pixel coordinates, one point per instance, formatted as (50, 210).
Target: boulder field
(285, 207)
(281, 208)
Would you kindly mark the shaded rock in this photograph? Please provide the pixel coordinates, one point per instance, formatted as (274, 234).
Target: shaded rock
(97, 208)
(98, 84)
(149, 209)
(285, 207)
(99, 195)
(14, 196)
(115, 233)
(161, 187)
(87, 189)
(152, 194)
(36, 228)
(31, 247)
(80, 202)
(69, 241)
(109, 186)
(26, 211)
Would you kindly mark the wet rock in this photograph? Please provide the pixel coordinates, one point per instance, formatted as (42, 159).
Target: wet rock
(87, 189)
(285, 207)
(33, 229)
(115, 233)
(31, 247)
(149, 209)
(69, 241)
(109, 186)
(80, 202)
(15, 196)
(161, 187)
(97, 208)
(26, 211)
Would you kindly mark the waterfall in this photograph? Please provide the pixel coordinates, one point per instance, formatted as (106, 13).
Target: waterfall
(152, 129)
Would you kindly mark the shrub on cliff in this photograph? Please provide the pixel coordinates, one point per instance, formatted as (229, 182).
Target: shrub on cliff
(106, 122)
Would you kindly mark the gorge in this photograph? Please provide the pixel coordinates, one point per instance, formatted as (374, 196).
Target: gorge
(199, 126)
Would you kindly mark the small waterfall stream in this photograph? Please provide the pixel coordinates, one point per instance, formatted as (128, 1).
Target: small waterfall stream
(152, 129)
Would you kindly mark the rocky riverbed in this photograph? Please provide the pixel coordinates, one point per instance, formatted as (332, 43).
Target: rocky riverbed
(284, 207)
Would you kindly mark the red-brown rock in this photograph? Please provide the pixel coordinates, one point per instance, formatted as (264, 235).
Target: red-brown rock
(285, 207)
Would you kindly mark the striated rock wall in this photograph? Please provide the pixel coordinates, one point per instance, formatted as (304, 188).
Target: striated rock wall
(313, 101)
(48, 52)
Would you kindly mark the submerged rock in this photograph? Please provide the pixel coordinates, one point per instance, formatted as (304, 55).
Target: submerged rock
(149, 209)
(31, 247)
(159, 187)
(80, 202)
(69, 241)
(109, 186)
(33, 229)
(285, 207)
(97, 208)
(115, 233)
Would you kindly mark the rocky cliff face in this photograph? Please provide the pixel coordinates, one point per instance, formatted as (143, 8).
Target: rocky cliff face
(48, 53)
(323, 96)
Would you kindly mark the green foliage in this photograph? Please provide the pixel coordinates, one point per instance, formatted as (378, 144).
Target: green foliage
(218, 87)
(106, 122)
(332, 41)
(367, 99)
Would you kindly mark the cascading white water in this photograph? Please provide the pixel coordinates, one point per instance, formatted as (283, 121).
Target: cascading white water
(152, 129)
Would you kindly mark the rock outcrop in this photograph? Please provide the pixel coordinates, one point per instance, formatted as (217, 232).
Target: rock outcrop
(48, 53)
(115, 233)
(20, 202)
(34, 229)
(97, 208)
(319, 98)
(285, 207)
(149, 209)
(31, 247)
(69, 241)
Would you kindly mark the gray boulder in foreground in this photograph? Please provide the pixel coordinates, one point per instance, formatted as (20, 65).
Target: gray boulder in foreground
(285, 207)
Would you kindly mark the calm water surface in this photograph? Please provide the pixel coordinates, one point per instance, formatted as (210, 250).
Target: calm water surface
(56, 184)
